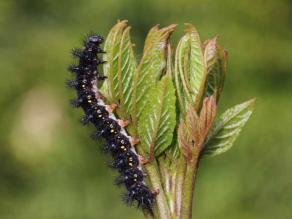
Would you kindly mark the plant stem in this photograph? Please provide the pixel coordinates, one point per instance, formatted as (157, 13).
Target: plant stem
(188, 187)
(168, 177)
(161, 201)
(179, 183)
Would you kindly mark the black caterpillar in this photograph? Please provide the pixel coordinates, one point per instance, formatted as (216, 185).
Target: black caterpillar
(118, 143)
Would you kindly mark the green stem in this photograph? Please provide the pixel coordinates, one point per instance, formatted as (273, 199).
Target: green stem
(179, 183)
(168, 177)
(161, 201)
(188, 187)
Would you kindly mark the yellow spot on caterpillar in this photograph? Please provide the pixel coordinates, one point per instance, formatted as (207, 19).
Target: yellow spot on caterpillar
(130, 164)
(89, 101)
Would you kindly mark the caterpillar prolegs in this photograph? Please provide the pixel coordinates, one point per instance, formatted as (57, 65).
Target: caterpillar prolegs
(118, 143)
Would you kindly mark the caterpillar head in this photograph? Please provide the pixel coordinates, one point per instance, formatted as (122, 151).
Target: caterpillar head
(95, 39)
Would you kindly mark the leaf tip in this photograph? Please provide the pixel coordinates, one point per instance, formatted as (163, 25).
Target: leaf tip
(251, 102)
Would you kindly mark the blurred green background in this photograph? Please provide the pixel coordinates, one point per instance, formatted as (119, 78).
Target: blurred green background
(50, 168)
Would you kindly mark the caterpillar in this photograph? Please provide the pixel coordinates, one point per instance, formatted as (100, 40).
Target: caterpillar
(118, 143)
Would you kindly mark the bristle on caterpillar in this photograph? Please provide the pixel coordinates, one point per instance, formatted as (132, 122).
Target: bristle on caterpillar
(118, 143)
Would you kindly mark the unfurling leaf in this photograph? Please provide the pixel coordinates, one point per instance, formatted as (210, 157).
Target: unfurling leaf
(120, 67)
(190, 72)
(157, 121)
(194, 128)
(227, 128)
(150, 69)
(185, 142)
(215, 58)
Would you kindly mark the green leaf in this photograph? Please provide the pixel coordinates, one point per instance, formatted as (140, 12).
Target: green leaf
(150, 68)
(158, 120)
(190, 73)
(215, 58)
(120, 67)
(197, 68)
(180, 73)
(227, 128)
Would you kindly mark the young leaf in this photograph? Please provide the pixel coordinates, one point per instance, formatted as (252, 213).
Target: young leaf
(157, 122)
(227, 128)
(198, 73)
(120, 67)
(111, 47)
(172, 151)
(190, 73)
(215, 58)
(181, 73)
(194, 128)
(150, 68)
